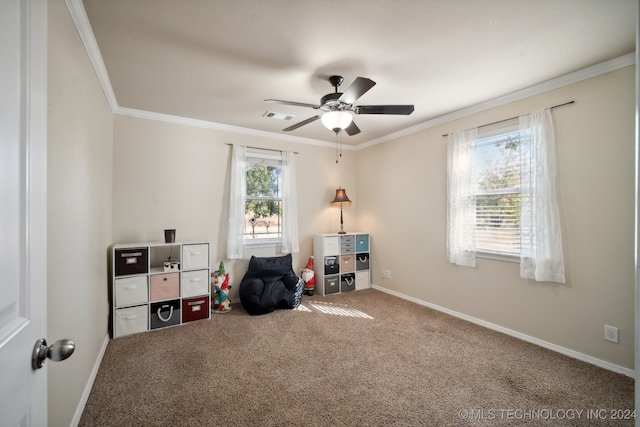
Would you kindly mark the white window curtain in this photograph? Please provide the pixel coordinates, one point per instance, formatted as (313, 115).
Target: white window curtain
(461, 206)
(237, 201)
(541, 256)
(290, 202)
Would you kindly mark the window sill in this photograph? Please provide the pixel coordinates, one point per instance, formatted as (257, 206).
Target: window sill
(498, 257)
(262, 243)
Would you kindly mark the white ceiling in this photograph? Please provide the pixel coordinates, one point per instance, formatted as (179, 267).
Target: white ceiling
(218, 60)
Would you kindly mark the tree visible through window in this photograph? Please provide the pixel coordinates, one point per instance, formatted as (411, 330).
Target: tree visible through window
(501, 197)
(263, 207)
(497, 161)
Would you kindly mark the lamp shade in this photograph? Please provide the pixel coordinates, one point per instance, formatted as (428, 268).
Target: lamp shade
(336, 120)
(341, 198)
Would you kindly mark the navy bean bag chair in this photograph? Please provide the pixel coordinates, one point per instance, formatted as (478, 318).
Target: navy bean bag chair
(270, 283)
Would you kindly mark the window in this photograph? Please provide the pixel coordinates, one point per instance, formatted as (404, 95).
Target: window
(496, 164)
(262, 201)
(501, 197)
(263, 206)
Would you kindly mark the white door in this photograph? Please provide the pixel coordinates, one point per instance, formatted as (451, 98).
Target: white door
(23, 161)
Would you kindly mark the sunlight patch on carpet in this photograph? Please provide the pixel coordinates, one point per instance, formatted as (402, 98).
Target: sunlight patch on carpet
(335, 309)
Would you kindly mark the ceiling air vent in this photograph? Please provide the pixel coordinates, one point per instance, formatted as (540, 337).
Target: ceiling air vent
(279, 116)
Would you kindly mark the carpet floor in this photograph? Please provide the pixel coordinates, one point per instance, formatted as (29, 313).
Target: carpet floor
(361, 358)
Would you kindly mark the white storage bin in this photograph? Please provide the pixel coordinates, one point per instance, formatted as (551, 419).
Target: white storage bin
(195, 256)
(195, 283)
(331, 245)
(131, 320)
(363, 279)
(131, 290)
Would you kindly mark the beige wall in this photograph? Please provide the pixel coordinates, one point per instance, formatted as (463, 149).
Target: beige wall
(121, 179)
(80, 134)
(176, 176)
(402, 202)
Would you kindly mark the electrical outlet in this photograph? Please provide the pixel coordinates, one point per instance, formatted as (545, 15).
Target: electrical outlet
(611, 333)
(388, 274)
(383, 274)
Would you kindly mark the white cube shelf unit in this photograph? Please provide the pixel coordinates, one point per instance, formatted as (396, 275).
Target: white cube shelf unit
(341, 262)
(156, 285)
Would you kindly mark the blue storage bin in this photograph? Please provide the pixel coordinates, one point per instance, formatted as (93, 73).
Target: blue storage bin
(362, 243)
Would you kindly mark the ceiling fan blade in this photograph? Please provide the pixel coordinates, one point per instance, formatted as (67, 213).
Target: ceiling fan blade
(352, 129)
(302, 123)
(296, 104)
(404, 110)
(358, 88)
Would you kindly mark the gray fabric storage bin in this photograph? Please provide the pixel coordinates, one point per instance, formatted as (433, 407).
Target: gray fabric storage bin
(362, 261)
(331, 285)
(347, 282)
(165, 313)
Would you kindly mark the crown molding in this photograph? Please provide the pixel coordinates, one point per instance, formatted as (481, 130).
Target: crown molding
(567, 79)
(167, 118)
(81, 21)
(83, 26)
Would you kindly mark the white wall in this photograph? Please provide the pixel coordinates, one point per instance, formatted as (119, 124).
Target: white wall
(402, 202)
(80, 135)
(176, 176)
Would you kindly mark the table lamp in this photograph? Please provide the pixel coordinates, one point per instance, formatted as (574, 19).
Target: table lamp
(341, 200)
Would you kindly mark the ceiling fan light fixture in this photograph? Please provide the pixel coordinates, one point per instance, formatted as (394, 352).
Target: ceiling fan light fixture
(339, 107)
(336, 120)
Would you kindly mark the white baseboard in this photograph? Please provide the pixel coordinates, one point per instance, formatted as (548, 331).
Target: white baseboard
(87, 389)
(559, 349)
(562, 350)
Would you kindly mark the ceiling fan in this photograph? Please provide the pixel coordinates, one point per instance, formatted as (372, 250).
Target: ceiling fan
(337, 106)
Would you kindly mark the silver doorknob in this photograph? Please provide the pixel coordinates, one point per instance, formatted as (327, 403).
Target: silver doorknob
(60, 350)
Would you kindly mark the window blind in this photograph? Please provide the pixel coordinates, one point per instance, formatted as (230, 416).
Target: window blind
(497, 161)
